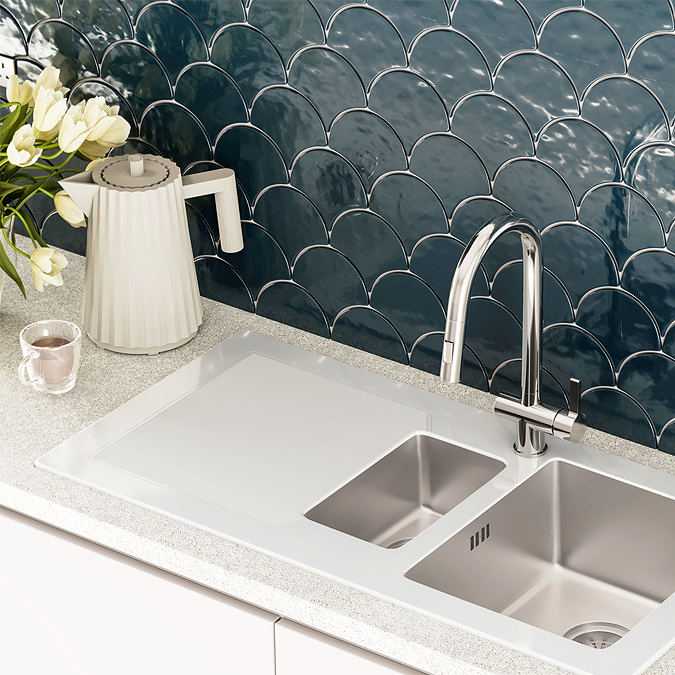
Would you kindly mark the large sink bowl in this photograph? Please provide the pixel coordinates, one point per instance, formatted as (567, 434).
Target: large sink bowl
(569, 550)
(406, 491)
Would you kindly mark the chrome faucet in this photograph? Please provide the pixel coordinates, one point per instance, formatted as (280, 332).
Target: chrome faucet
(533, 419)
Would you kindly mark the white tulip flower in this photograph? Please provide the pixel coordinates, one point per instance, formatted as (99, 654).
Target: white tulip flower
(45, 266)
(74, 129)
(20, 92)
(69, 210)
(50, 107)
(22, 151)
(49, 79)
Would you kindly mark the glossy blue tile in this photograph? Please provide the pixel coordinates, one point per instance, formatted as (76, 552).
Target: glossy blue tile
(412, 107)
(370, 243)
(451, 168)
(331, 279)
(219, 281)
(368, 40)
(329, 181)
(409, 304)
(289, 25)
(71, 238)
(580, 153)
(326, 9)
(472, 215)
(579, 259)
(256, 160)
(626, 222)
(201, 236)
(369, 143)
(667, 438)
(410, 206)
(651, 64)
(648, 378)
(540, 10)
(539, 89)
(463, 71)
(584, 45)
(13, 40)
(291, 218)
(412, 17)
(507, 380)
(288, 303)
(29, 13)
(211, 16)
(495, 130)
(615, 412)
(328, 80)
(498, 28)
(367, 329)
(212, 96)
(532, 188)
(289, 119)
(668, 345)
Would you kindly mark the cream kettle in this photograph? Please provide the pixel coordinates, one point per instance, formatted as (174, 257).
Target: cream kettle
(140, 285)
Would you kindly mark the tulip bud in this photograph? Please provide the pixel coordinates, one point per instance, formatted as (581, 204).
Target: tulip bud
(22, 151)
(45, 266)
(69, 210)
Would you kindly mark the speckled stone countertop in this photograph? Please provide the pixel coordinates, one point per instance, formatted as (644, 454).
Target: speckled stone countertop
(33, 423)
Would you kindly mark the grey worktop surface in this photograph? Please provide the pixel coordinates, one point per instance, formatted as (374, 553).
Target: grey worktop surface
(33, 423)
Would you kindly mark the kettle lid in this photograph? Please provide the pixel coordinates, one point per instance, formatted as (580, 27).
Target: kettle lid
(135, 172)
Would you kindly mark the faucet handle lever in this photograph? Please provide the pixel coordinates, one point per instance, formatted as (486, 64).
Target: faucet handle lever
(575, 395)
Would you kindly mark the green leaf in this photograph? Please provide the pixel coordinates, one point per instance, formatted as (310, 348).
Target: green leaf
(11, 122)
(8, 268)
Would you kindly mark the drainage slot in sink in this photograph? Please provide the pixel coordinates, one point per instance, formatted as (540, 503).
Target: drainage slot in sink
(597, 634)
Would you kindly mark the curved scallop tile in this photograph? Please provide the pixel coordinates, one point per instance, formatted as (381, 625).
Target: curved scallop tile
(172, 35)
(531, 187)
(210, 16)
(435, 259)
(288, 303)
(236, 48)
(668, 345)
(365, 328)
(256, 160)
(583, 45)
(315, 66)
(493, 333)
(629, 24)
(326, 9)
(219, 281)
(650, 277)
(615, 412)
(667, 438)
(627, 112)
(580, 153)
(569, 351)
(261, 261)
(369, 143)
(494, 129)
(212, 96)
(175, 132)
(409, 304)
(409, 104)
(28, 14)
(369, 243)
(451, 168)
(507, 287)
(290, 25)
(13, 40)
(651, 64)
(625, 220)
(56, 42)
(290, 218)
(507, 380)
(411, 23)
(102, 22)
(330, 278)
(368, 40)
(462, 71)
(409, 206)
(89, 88)
(329, 181)
(288, 118)
(539, 10)
(652, 173)
(201, 237)
(648, 378)
(473, 214)
(482, 21)
(137, 74)
(539, 89)
(74, 239)
(579, 259)
(621, 324)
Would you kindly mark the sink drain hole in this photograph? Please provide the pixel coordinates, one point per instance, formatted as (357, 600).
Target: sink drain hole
(399, 542)
(596, 634)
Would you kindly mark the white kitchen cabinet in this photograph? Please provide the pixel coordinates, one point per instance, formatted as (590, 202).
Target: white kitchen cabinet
(69, 606)
(302, 651)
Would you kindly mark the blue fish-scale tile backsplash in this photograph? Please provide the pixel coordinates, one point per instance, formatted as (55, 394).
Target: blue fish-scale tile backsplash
(372, 139)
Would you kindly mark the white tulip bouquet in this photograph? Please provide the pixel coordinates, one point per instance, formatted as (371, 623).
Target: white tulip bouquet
(40, 132)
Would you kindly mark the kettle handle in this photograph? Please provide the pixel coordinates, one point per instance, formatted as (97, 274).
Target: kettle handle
(220, 183)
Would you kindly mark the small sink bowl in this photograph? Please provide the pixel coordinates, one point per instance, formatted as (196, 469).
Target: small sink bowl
(407, 490)
(571, 551)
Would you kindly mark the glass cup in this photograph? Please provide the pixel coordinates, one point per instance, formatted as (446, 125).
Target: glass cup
(51, 355)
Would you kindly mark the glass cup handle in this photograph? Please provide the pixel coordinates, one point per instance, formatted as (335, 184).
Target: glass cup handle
(23, 367)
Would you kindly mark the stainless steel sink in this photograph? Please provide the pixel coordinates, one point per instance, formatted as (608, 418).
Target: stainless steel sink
(407, 490)
(572, 551)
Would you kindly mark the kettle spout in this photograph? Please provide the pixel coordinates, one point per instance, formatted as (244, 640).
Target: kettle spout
(82, 189)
